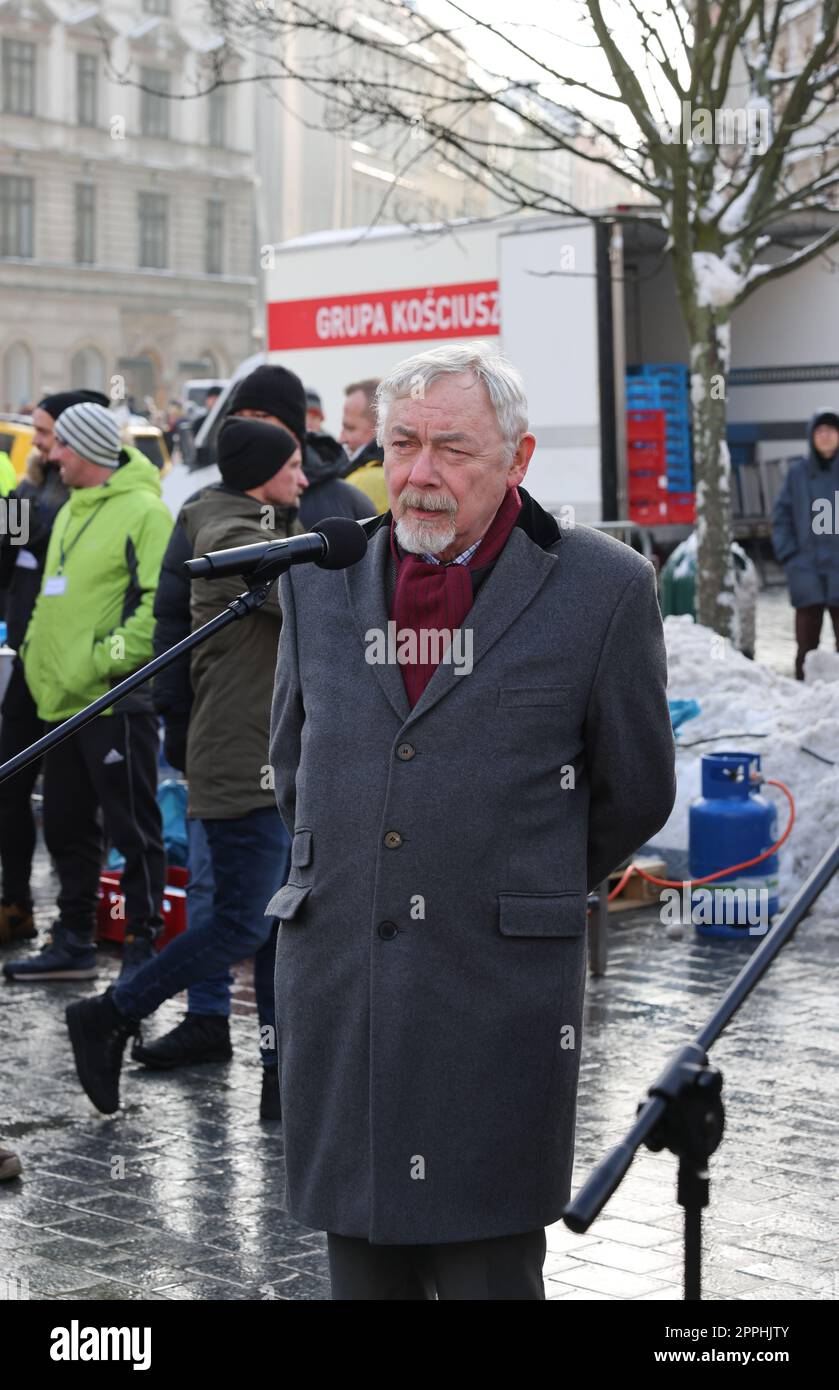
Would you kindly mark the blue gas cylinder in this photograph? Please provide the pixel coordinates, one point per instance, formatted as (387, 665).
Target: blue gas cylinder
(731, 822)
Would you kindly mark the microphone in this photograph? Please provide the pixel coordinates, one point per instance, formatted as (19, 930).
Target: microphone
(337, 544)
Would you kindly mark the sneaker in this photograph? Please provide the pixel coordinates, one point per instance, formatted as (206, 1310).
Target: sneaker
(16, 923)
(99, 1032)
(137, 951)
(10, 1165)
(197, 1038)
(63, 956)
(269, 1105)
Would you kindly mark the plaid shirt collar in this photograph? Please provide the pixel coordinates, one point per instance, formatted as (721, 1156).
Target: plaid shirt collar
(462, 559)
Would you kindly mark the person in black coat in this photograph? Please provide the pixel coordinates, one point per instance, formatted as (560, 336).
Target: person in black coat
(324, 463)
(40, 495)
(278, 396)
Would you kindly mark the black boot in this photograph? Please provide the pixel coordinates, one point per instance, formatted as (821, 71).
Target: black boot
(197, 1038)
(99, 1032)
(269, 1105)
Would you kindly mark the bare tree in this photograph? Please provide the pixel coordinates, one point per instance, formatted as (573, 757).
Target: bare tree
(729, 173)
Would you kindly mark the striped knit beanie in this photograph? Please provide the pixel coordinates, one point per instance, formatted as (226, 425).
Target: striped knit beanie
(92, 431)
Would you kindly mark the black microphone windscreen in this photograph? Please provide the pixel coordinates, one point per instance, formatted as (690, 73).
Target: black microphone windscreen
(346, 540)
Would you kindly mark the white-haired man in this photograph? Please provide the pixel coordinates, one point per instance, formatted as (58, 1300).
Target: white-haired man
(448, 820)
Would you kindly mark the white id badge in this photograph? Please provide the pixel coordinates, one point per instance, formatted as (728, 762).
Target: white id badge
(55, 584)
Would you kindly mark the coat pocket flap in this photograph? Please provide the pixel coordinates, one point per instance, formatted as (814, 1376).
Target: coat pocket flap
(542, 914)
(533, 695)
(301, 849)
(287, 903)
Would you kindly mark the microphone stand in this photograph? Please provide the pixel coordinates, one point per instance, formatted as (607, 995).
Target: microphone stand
(684, 1110)
(259, 586)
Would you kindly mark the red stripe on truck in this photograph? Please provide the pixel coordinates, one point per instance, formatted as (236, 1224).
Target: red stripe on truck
(386, 316)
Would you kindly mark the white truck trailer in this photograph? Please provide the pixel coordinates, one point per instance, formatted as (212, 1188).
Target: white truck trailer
(572, 302)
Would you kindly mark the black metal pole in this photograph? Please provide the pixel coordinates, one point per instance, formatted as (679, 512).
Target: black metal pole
(683, 1109)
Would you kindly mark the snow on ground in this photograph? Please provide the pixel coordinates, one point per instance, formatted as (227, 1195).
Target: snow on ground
(743, 698)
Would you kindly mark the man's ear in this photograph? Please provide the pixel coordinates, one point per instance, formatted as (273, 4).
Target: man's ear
(521, 459)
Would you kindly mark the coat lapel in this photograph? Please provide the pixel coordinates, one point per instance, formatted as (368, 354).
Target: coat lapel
(519, 573)
(367, 594)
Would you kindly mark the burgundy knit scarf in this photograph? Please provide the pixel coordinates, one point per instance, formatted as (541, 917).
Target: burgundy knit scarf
(439, 597)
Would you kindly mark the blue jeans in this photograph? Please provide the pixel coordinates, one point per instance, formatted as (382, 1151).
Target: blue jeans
(211, 996)
(250, 861)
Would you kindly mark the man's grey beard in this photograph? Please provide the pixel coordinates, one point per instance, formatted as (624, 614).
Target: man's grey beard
(429, 537)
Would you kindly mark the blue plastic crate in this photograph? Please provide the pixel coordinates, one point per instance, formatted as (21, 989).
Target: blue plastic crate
(642, 385)
(665, 368)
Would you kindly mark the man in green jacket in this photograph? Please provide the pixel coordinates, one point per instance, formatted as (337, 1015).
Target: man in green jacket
(91, 627)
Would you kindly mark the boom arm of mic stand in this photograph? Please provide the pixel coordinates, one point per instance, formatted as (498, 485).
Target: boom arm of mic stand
(239, 607)
(684, 1110)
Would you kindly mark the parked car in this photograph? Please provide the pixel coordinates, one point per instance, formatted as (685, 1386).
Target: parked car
(16, 439)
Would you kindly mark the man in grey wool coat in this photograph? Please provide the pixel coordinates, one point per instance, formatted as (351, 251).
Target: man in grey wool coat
(469, 730)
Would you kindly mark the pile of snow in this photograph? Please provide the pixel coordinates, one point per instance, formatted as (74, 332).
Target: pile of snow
(740, 697)
(821, 665)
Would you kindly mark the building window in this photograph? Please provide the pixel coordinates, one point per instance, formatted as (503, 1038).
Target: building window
(153, 229)
(17, 377)
(18, 77)
(156, 6)
(214, 242)
(217, 117)
(17, 198)
(87, 83)
(85, 224)
(154, 102)
(87, 370)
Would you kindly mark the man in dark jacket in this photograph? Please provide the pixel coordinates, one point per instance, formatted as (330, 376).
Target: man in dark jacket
(805, 534)
(324, 463)
(40, 495)
(276, 396)
(230, 788)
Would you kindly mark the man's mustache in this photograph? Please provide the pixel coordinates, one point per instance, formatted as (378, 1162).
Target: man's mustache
(426, 501)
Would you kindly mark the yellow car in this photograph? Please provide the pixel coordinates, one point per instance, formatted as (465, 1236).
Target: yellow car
(17, 434)
(16, 440)
(149, 440)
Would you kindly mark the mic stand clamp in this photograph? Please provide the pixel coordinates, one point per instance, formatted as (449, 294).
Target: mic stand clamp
(691, 1127)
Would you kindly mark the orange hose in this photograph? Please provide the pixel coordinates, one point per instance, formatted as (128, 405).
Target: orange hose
(720, 873)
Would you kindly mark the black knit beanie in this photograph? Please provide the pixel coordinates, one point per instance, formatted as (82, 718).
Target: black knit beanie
(276, 391)
(252, 451)
(62, 400)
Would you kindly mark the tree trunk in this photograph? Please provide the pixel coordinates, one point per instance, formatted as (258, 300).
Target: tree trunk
(709, 358)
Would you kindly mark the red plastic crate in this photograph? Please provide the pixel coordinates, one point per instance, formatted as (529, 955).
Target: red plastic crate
(646, 426)
(648, 512)
(646, 461)
(681, 508)
(110, 928)
(646, 488)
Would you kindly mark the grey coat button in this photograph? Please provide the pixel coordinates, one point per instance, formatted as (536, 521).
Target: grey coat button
(388, 930)
(405, 752)
(393, 839)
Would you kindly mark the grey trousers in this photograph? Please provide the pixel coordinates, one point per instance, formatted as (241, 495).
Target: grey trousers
(506, 1268)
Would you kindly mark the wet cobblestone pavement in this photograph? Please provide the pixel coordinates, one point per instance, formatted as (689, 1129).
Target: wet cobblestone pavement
(179, 1195)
